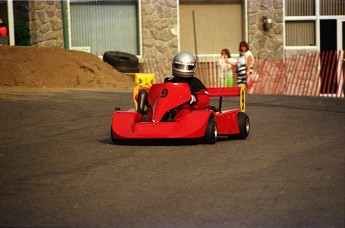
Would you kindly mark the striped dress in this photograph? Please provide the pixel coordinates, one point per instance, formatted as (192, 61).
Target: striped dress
(242, 67)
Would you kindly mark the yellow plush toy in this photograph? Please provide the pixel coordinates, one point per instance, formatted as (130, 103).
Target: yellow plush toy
(143, 81)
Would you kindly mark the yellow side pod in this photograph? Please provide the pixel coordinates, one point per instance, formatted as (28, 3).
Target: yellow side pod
(143, 81)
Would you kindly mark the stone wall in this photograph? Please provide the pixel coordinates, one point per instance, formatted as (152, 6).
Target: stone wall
(46, 27)
(160, 35)
(266, 43)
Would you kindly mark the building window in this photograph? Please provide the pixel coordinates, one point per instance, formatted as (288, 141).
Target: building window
(300, 20)
(299, 8)
(332, 7)
(307, 7)
(105, 25)
(303, 19)
(300, 33)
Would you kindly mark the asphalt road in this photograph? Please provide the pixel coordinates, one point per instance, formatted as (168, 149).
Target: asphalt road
(58, 167)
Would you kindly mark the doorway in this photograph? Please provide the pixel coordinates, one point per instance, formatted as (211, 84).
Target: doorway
(328, 56)
(206, 27)
(332, 46)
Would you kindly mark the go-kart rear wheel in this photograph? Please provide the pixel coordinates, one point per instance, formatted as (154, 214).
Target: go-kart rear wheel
(211, 132)
(244, 125)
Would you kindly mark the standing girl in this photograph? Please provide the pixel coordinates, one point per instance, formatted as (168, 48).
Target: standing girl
(225, 64)
(244, 64)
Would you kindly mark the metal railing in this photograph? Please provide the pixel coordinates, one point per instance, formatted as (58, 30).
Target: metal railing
(310, 74)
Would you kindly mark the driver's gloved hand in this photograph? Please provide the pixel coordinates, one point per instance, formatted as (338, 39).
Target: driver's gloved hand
(192, 100)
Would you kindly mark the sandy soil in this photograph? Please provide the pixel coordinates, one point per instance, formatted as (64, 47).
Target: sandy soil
(50, 69)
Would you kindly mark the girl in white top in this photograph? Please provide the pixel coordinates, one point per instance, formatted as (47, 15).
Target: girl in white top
(244, 64)
(225, 64)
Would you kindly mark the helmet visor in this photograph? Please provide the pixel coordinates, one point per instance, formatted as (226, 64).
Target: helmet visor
(183, 66)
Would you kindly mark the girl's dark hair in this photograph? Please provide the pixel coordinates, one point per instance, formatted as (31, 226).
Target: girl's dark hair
(227, 52)
(244, 44)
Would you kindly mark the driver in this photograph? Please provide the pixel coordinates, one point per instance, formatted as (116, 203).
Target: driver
(183, 70)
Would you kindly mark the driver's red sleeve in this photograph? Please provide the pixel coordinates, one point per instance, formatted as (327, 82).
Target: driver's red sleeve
(203, 99)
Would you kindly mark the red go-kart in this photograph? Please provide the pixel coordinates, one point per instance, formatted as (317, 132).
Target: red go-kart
(205, 124)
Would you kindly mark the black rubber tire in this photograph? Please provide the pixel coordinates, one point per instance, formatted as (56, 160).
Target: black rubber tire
(211, 133)
(121, 59)
(127, 69)
(244, 125)
(115, 140)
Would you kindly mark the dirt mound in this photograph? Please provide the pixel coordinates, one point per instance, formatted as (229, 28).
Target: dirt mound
(35, 67)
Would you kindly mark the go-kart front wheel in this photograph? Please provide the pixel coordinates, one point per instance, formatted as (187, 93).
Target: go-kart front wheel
(115, 140)
(211, 132)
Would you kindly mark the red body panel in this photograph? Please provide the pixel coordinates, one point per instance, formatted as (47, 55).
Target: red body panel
(125, 126)
(227, 122)
(166, 96)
